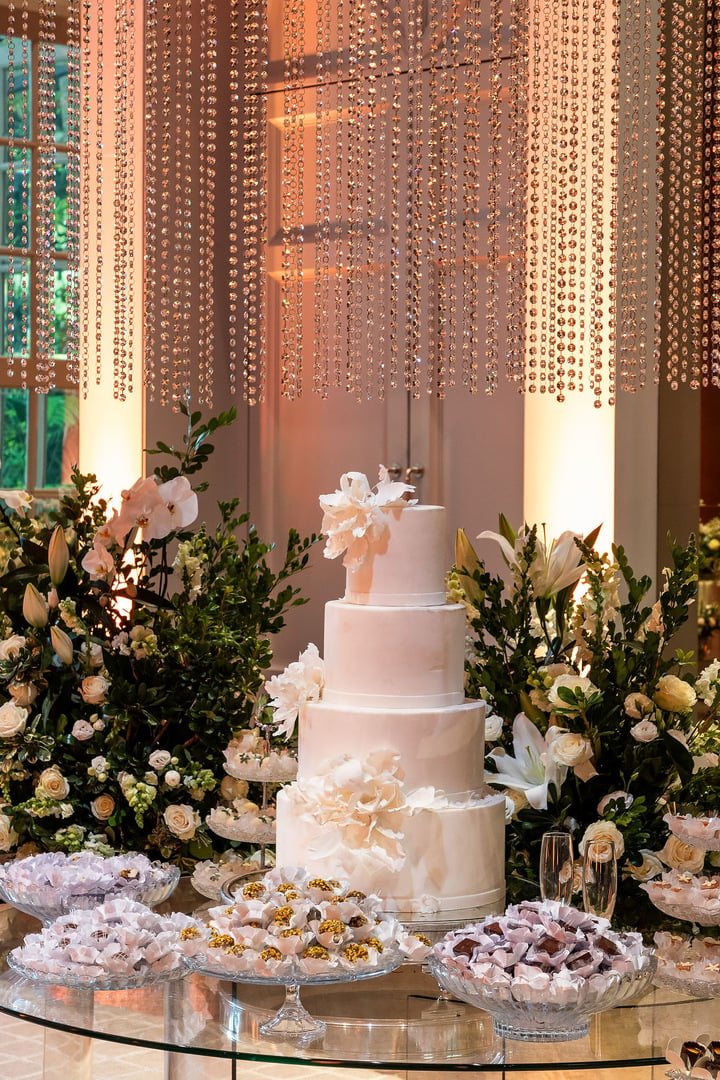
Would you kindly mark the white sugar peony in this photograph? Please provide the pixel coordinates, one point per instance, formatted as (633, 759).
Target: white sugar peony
(159, 759)
(301, 681)
(352, 515)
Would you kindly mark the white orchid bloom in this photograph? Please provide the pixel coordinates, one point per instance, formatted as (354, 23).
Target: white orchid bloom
(532, 770)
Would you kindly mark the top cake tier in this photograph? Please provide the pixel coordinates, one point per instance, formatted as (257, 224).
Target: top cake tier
(406, 566)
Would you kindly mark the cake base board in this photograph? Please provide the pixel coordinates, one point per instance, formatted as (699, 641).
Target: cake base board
(436, 924)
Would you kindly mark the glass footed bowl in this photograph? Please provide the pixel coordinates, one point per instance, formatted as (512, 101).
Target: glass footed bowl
(292, 1020)
(122, 981)
(685, 909)
(543, 1021)
(47, 902)
(683, 982)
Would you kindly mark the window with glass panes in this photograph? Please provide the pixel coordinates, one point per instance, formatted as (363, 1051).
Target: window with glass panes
(38, 432)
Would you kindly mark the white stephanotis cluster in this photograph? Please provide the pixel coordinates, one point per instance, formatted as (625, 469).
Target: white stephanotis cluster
(353, 515)
(301, 681)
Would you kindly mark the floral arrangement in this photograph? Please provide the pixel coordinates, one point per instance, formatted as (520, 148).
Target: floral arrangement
(132, 650)
(709, 547)
(598, 725)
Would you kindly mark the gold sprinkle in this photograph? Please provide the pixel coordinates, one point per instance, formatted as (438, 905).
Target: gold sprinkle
(293, 894)
(320, 883)
(316, 952)
(286, 886)
(355, 894)
(253, 890)
(355, 951)
(331, 926)
(221, 941)
(292, 931)
(283, 915)
(189, 932)
(373, 943)
(235, 950)
(423, 939)
(335, 884)
(271, 953)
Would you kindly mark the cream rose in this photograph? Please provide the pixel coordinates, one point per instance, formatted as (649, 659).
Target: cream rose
(172, 778)
(568, 748)
(638, 705)
(102, 807)
(674, 695)
(182, 821)
(493, 727)
(94, 689)
(644, 731)
(12, 720)
(10, 648)
(159, 759)
(82, 730)
(650, 866)
(604, 831)
(573, 683)
(682, 857)
(8, 836)
(53, 784)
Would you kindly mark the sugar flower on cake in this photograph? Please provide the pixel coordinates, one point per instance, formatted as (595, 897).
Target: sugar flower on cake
(353, 515)
(532, 769)
(301, 681)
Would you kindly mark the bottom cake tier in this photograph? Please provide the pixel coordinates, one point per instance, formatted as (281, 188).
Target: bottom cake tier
(437, 858)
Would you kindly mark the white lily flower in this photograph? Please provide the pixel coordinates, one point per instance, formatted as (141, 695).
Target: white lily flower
(531, 770)
(554, 567)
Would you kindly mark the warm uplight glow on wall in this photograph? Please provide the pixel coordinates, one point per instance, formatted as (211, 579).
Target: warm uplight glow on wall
(570, 465)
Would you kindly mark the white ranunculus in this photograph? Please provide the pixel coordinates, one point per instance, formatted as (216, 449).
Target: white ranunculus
(638, 705)
(674, 695)
(301, 681)
(568, 748)
(12, 720)
(172, 778)
(182, 820)
(604, 831)
(8, 836)
(159, 759)
(10, 647)
(53, 784)
(644, 731)
(649, 868)
(493, 727)
(680, 856)
(82, 730)
(102, 807)
(94, 689)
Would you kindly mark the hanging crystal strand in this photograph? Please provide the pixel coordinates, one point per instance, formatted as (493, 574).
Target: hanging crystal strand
(597, 194)
(73, 194)
(177, 276)
(546, 189)
(321, 283)
(340, 190)
(629, 143)
(494, 198)
(263, 201)
(292, 213)
(11, 224)
(396, 333)
(99, 185)
(415, 208)
(252, 238)
(535, 191)
(298, 129)
(25, 109)
(519, 185)
(610, 181)
(470, 239)
(355, 204)
(85, 152)
(372, 310)
(556, 92)
(646, 273)
(129, 198)
(662, 103)
(584, 67)
(206, 195)
(559, 268)
(234, 129)
(436, 367)
(570, 271)
(152, 209)
(119, 207)
(45, 201)
(188, 181)
(712, 193)
(164, 226)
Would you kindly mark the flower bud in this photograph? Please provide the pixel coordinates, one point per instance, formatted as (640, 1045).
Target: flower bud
(62, 644)
(466, 560)
(35, 609)
(58, 555)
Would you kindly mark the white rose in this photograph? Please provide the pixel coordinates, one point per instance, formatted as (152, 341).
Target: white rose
(650, 866)
(638, 705)
(102, 807)
(159, 759)
(493, 727)
(8, 836)
(572, 683)
(182, 821)
(682, 857)
(82, 730)
(567, 747)
(10, 648)
(94, 689)
(605, 831)
(230, 788)
(674, 695)
(12, 720)
(644, 731)
(53, 784)
(99, 764)
(172, 778)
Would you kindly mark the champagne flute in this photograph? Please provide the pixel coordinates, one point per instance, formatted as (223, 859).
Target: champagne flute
(556, 866)
(599, 878)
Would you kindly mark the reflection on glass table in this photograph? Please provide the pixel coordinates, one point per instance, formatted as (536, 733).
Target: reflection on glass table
(397, 1023)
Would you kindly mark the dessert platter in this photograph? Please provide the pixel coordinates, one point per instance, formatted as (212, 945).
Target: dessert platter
(52, 883)
(542, 969)
(390, 787)
(686, 896)
(688, 965)
(697, 830)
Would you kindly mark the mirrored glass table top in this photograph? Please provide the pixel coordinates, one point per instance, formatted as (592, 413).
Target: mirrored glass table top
(400, 1021)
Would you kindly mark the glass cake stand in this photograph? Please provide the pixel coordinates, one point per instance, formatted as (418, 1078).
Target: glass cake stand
(292, 1020)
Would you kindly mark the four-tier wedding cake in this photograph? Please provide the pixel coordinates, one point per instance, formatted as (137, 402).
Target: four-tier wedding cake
(390, 778)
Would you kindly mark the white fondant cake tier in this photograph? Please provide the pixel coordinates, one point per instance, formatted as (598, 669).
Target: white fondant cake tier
(406, 567)
(455, 856)
(393, 656)
(441, 748)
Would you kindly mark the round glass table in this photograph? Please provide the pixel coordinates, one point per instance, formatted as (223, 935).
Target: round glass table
(396, 1025)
